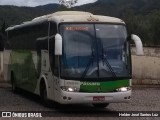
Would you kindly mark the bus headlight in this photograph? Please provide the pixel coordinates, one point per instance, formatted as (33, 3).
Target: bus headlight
(70, 89)
(123, 89)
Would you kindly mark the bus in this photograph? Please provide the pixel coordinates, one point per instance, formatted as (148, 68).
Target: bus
(71, 57)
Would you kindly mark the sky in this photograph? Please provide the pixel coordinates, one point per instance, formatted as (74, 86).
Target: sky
(33, 3)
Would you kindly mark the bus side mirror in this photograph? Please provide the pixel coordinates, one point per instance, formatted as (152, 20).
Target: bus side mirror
(138, 43)
(58, 44)
(1, 43)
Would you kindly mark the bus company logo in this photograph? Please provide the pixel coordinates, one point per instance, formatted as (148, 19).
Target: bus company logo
(90, 83)
(6, 114)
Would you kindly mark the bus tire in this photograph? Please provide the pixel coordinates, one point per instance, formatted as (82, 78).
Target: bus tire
(100, 105)
(43, 94)
(13, 82)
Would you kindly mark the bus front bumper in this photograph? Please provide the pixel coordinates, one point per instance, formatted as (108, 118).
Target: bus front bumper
(81, 98)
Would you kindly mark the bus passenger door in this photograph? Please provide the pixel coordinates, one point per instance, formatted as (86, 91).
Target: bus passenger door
(46, 70)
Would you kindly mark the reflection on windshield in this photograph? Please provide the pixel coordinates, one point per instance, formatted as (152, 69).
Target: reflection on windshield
(93, 51)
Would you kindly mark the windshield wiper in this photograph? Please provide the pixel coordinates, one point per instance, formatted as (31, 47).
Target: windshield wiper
(109, 66)
(88, 66)
(104, 58)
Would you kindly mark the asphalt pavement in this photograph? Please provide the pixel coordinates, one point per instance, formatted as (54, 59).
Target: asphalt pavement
(143, 99)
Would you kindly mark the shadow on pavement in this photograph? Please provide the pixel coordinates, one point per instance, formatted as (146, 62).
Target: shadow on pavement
(75, 110)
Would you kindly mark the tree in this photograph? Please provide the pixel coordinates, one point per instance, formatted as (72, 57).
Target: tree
(155, 26)
(68, 3)
(3, 27)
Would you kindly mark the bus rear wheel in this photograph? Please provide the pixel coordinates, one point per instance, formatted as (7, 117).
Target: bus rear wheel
(43, 94)
(100, 105)
(13, 82)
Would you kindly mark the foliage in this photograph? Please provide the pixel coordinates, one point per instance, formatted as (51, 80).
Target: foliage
(141, 16)
(68, 3)
(146, 26)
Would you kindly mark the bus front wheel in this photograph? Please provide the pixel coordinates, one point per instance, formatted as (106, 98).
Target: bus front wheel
(100, 105)
(43, 94)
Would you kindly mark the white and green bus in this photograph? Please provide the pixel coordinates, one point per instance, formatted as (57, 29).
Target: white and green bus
(71, 57)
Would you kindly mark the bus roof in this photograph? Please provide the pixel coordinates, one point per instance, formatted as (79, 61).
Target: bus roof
(69, 16)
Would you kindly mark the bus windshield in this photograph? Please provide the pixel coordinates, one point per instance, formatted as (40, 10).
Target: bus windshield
(94, 51)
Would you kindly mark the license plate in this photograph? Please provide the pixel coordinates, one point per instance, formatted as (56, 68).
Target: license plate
(98, 98)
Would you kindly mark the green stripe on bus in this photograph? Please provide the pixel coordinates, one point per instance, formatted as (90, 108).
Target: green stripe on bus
(108, 86)
(23, 67)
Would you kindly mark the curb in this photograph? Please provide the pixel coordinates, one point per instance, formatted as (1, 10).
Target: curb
(145, 82)
(5, 84)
